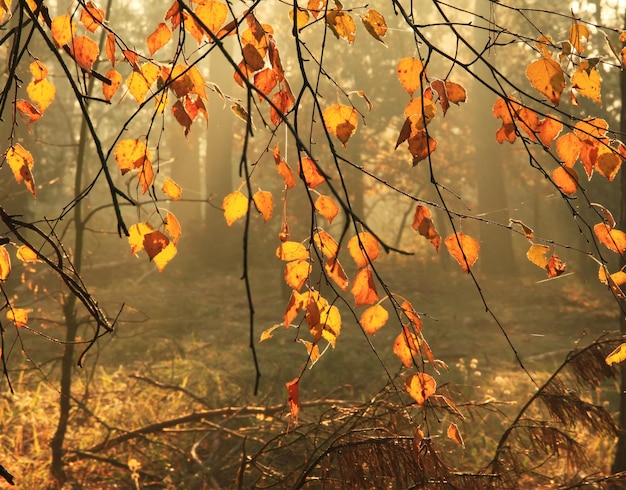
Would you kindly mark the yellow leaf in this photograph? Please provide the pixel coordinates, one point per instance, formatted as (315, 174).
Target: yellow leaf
(364, 289)
(302, 18)
(420, 111)
(591, 128)
(617, 355)
(63, 29)
(21, 162)
(614, 240)
(326, 244)
(289, 251)
(312, 349)
(411, 73)
(374, 318)
(577, 33)
(421, 387)
(212, 14)
(159, 248)
(296, 273)
(537, 255)
(42, 93)
(235, 206)
(27, 254)
(336, 273)
(454, 433)
(172, 226)
(341, 121)
(159, 38)
(327, 207)
(363, 248)
(406, 346)
(375, 24)
(85, 52)
(38, 70)
(5, 263)
(547, 77)
(342, 25)
(131, 154)
(330, 319)
(264, 204)
(136, 234)
(91, 17)
(268, 332)
(587, 82)
(463, 248)
(19, 316)
(171, 189)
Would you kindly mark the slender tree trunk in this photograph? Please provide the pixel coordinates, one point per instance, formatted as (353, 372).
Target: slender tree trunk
(619, 463)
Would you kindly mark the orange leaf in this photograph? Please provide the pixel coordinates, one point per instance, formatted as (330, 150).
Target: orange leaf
(547, 77)
(326, 244)
(317, 7)
(84, 51)
(591, 128)
(159, 38)
(172, 226)
(289, 251)
(5, 263)
(578, 36)
(608, 162)
(374, 318)
(375, 24)
(421, 387)
(463, 248)
(131, 154)
(342, 25)
(136, 234)
(449, 92)
(566, 179)
(171, 189)
(285, 171)
(284, 101)
(296, 273)
(336, 273)
(537, 255)
(63, 29)
(424, 225)
(341, 121)
(412, 316)
(28, 111)
(265, 81)
(363, 248)
(364, 289)
(293, 308)
(614, 240)
(212, 14)
(181, 116)
(568, 148)
(91, 17)
(410, 72)
(21, 162)
(549, 129)
(555, 267)
(235, 206)
(307, 168)
(454, 434)
(159, 248)
(116, 80)
(293, 398)
(421, 145)
(420, 111)
(19, 316)
(27, 254)
(264, 204)
(110, 48)
(587, 82)
(146, 176)
(42, 93)
(326, 207)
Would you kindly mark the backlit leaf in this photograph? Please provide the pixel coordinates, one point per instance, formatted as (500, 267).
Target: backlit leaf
(63, 29)
(265, 81)
(252, 58)
(27, 254)
(375, 24)
(549, 129)
(335, 271)
(409, 312)
(38, 70)
(84, 51)
(421, 387)
(301, 17)
(608, 162)
(555, 267)
(312, 349)
(317, 7)
(109, 90)
(235, 206)
(42, 93)
(616, 279)
(527, 230)
(21, 162)
(264, 204)
(421, 145)
(171, 189)
(28, 111)
(289, 251)
(5, 263)
(296, 273)
(410, 72)
(420, 111)
(341, 121)
(537, 255)
(110, 48)
(181, 116)
(172, 227)
(284, 101)
(591, 128)
(19, 316)
(159, 38)
(326, 244)
(463, 248)
(159, 248)
(330, 319)
(454, 434)
(587, 82)
(449, 92)
(374, 318)
(364, 289)
(267, 333)
(308, 169)
(342, 24)
(136, 234)
(617, 355)
(326, 207)
(146, 176)
(578, 36)
(614, 240)
(566, 179)
(363, 248)
(547, 77)
(568, 148)
(91, 17)
(213, 14)
(285, 171)
(131, 154)
(293, 398)
(424, 225)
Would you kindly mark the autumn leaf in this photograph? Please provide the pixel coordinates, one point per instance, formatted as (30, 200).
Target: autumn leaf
(537, 255)
(235, 206)
(264, 204)
(84, 51)
(159, 38)
(212, 14)
(265, 81)
(375, 24)
(42, 93)
(420, 111)
(21, 162)
(28, 111)
(546, 76)
(364, 289)
(454, 434)
(448, 92)
(325, 243)
(363, 248)
(341, 121)
(181, 116)
(63, 29)
(410, 72)
(308, 170)
(425, 227)
(289, 251)
(421, 387)
(335, 272)
(409, 312)
(131, 154)
(91, 17)
(26, 254)
(614, 240)
(608, 162)
(568, 148)
(19, 316)
(330, 319)
(136, 234)
(549, 129)
(555, 267)
(301, 17)
(171, 189)
(421, 145)
(527, 230)
(566, 179)
(342, 25)
(109, 48)
(172, 226)
(296, 273)
(159, 248)
(578, 36)
(374, 318)
(317, 7)
(293, 398)
(591, 128)
(5, 263)
(463, 248)
(406, 346)
(617, 355)
(284, 101)
(586, 81)
(109, 90)
(326, 207)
